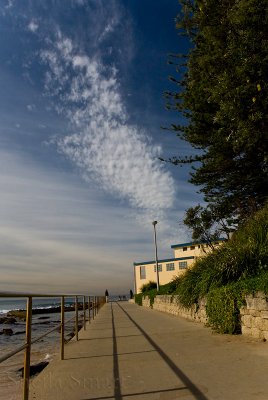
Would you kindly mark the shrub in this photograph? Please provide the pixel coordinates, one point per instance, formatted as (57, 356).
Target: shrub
(245, 255)
(138, 299)
(223, 309)
(148, 286)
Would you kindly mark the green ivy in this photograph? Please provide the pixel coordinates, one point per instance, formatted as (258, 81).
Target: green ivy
(138, 299)
(223, 310)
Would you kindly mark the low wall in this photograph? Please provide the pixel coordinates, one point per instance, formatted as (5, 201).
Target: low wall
(146, 302)
(171, 305)
(254, 315)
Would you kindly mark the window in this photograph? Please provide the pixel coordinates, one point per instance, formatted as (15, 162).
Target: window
(142, 272)
(159, 268)
(184, 248)
(182, 264)
(170, 267)
(192, 247)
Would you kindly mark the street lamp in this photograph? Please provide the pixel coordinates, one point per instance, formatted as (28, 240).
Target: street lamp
(156, 258)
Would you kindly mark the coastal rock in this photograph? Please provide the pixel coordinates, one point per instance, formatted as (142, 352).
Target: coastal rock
(8, 320)
(19, 333)
(17, 313)
(56, 309)
(7, 331)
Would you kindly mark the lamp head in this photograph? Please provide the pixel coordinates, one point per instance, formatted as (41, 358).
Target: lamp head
(154, 223)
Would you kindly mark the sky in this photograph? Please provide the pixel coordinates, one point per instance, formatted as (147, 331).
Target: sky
(81, 111)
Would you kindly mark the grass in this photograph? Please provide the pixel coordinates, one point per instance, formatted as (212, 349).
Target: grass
(235, 269)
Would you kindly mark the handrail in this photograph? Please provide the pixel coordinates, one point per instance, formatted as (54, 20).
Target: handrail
(13, 353)
(94, 303)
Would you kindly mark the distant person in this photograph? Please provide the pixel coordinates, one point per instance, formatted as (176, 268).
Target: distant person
(130, 294)
(106, 296)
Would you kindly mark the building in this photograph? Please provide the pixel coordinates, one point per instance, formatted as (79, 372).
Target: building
(184, 256)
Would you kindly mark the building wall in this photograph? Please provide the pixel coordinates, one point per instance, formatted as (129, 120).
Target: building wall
(191, 249)
(164, 275)
(185, 252)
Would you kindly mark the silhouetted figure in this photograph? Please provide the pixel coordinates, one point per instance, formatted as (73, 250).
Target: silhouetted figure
(106, 296)
(130, 294)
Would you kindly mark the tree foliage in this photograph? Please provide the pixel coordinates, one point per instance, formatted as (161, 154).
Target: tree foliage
(222, 97)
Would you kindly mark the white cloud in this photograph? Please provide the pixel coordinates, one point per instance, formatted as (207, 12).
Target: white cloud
(107, 148)
(33, 26)
(55, 233)
(108, 29)
(30, 107)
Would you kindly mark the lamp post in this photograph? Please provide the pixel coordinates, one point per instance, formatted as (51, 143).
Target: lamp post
(156, 258)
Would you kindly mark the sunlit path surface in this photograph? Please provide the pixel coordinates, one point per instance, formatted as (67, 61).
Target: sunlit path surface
(129, 352)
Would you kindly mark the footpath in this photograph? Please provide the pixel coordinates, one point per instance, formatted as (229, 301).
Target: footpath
(130, 352)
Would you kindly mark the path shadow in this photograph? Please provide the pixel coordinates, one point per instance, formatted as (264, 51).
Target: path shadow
(138, 394)
(111, 355)
(110, 337)
(196, 392)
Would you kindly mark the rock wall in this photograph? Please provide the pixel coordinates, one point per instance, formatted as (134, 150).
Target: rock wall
(171, 305)
(254, 316)
(146, 302)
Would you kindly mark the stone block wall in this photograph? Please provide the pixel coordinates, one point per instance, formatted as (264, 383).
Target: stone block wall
(171, 305)
(254, 316)
(146, 302)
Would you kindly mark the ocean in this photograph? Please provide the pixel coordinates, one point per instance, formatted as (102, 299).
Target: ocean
(45, 350)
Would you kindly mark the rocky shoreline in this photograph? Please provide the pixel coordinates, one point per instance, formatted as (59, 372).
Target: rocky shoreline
(57, 309)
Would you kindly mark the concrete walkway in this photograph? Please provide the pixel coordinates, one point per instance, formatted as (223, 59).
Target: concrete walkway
(130, 352)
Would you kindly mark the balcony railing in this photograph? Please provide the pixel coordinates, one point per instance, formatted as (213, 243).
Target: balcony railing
(91, 306)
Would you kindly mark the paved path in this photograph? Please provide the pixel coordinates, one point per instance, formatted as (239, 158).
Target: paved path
(130, 352)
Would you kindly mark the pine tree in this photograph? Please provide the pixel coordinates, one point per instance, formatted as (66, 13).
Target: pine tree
(222, 93)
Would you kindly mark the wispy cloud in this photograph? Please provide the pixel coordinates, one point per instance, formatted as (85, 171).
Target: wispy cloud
(50, 223)
(118, 155)
(30, 107)
(33, 26)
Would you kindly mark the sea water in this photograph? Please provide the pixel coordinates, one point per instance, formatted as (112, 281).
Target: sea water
(46, 349)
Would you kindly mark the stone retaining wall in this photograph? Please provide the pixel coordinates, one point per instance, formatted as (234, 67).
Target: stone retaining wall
(146, 302)
(254, 316)
(171, 305)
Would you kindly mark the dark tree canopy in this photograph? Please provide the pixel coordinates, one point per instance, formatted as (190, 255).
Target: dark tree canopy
(222, 94)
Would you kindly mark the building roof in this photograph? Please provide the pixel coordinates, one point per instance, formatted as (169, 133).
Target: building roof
(162, 261)
(174, 246)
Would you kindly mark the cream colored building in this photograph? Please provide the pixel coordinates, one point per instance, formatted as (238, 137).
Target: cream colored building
(184, 256)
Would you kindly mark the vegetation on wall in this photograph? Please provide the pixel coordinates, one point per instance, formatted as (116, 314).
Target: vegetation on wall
(245, 255)
(237, 268)
(169, 288)
(148, 286)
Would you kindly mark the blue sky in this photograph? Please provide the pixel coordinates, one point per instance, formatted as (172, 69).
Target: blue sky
(81, 108)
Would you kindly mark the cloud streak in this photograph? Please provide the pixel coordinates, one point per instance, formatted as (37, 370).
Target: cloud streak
(118, 155)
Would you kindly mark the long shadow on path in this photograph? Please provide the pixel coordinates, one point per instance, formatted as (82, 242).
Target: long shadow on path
(187, 382)
(189, 385)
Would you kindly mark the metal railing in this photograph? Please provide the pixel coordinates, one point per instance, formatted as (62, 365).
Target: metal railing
(93, 304)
